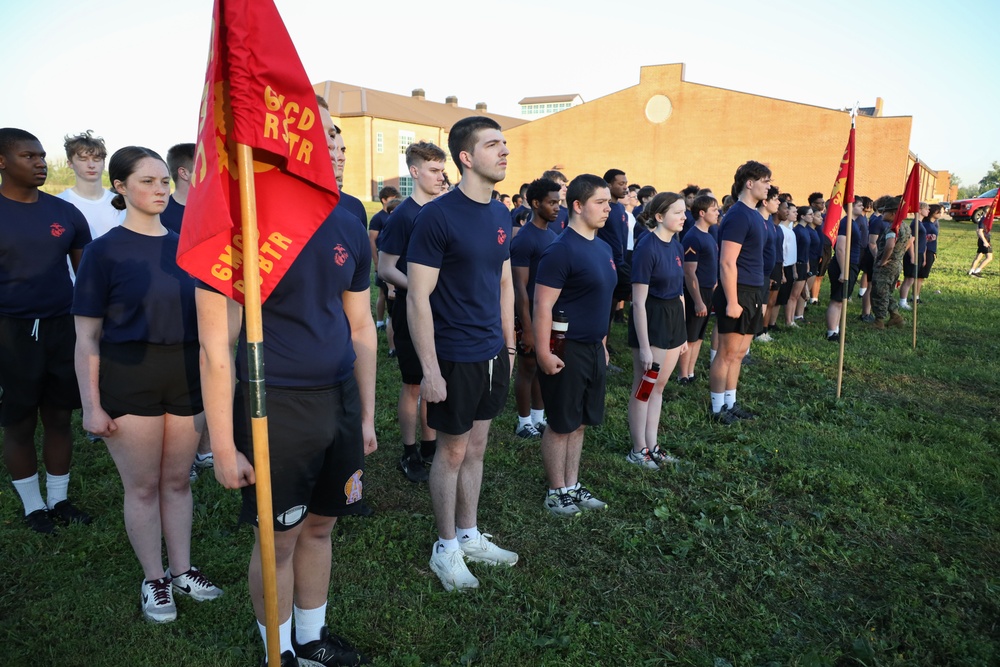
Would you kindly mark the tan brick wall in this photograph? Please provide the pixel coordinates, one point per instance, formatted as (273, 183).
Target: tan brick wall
(709, 133)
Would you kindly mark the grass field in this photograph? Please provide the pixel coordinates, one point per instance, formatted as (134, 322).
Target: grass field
(862, 531)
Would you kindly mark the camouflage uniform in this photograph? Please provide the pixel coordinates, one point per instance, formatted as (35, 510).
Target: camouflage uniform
(884, 280)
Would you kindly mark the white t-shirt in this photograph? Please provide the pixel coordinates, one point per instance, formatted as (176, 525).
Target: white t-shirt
(100, 214)
(789, 248)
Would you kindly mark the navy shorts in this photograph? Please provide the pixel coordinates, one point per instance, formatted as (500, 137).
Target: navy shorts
(751, 321)
(665, 324)
(406, 354)
(574, 396)
(36, 366)
(477, 391)
(150, 380)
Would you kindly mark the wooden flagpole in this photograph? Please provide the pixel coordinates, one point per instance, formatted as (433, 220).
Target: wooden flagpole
(258, 405)
(845, 272)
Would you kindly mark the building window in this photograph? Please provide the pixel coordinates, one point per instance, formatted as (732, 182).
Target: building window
(379, 144)
(405, 139)
(379, 184)
(405, 186)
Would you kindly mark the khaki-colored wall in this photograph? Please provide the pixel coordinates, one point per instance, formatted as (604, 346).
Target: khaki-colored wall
(710, 132)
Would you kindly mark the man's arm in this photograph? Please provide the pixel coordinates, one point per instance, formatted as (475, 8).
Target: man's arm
(372, 235)
(422, 281)
(357, 307)
(522, 306)
(840, 251)
(75, 255)
(219, 319)
(388, 272)
(507, 310)
(545, 299)
(728, 254)
(694, 288)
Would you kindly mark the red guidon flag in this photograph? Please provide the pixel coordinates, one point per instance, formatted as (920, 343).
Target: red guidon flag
(911, 197)
(990, 214)
(843, 192)
(256, 93)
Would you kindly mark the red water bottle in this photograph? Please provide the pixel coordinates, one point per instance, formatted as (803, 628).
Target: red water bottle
(557, 341)
(646, 386)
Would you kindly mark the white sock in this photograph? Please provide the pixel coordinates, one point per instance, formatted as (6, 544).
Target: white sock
(378, 323)
(308, 623)
(862, 290)
(718, 401)
(31, 494)
(56, 488)
(537, 416)
(284, 635)
(466, 534)
(730, 397)
(830, 332)
(523, 421)
(748, 349)
(447, 545)
(902, 302)
(204, 457)
(711, 356)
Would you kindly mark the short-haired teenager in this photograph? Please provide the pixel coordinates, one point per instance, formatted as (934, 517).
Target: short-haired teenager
(576, 275)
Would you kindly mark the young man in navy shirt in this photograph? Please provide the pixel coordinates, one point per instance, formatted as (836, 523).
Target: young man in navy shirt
(37, 233)
(613, 233)
(426, 163)
(319, 352)
(525, 251)
(375, 226)
(180, 163)
(461, 314)
(844, 268)
(576, 275)
(737, 300)
(339, 153)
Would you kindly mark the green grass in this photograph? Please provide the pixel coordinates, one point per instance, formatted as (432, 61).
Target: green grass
(862, 531)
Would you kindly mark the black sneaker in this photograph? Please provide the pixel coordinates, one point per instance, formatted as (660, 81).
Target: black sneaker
(834, 337)
(748, 361)
(328, 650)
(66, 513)
(723, 417)
(288, 659)
(40, 522)
(684, 381)
(413, 467)
(740, 413)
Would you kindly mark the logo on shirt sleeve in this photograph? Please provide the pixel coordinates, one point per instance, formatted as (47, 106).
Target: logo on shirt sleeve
(56, 229)
(340, 255)
(501, 235)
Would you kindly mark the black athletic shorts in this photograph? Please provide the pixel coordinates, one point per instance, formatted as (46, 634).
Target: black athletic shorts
(410, 369)
(837, 292)
(982, 248)
(867, 262)
(150, 380)
(665, 324)
(476, 391)
(925, 270)
(785, 290)
(623, 288)
(381, 285)
(36, 366)
(316, 450)
(920, 272)
(802, 271)
(751, 321)
(696, 325)
(776, 278)
(574, 396)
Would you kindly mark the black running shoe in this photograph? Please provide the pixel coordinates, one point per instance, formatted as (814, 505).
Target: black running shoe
(740, 413)
(40, 522)
(723, 417)
(329, 650)
(66, 513)
(413, 467)
(288, 659)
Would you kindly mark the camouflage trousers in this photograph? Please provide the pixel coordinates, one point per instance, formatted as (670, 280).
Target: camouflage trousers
(883, 287)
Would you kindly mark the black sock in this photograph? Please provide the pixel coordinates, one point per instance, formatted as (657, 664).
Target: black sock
(428, 447)
(409, 450)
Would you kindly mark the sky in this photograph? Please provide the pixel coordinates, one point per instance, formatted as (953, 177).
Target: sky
(133, 71)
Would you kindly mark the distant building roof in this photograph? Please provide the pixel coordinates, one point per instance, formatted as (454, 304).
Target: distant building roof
(547, 99)
(348, 101)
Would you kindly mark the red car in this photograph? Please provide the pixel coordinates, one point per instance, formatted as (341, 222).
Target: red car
(972, 209)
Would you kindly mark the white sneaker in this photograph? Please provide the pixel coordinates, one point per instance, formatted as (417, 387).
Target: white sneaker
(194, 584)
(481, 550)
(561, 504)
(764, 338)
(540, 426)
(905, 306)
(450, 568)
(158, 601)
(527, 432)
(207, 461)
(584, 499)
(660, 457)
(792, 325)
(642, 459)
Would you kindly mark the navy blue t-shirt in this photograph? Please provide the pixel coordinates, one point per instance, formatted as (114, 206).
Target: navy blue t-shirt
(816, 247)
(561, 220)
(803, 244)
(659, 265)
(981, 225)
(519, 214)
(172, 215)
(776, 239)
(614, 232)
(35, 240)
(688, 223)
(395, 236)
(932, 230)
(469, 243)
(747, 227)
(133, 282)
(876, 227)
(856, 234)
(377, 223)
(353, 205)
(921, 237)
(585, 272)
(700, 247)
(307, 336)
(527, 248)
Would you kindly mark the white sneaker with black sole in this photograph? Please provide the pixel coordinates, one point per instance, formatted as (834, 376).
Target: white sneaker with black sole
(561, 504)
(586, 500)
